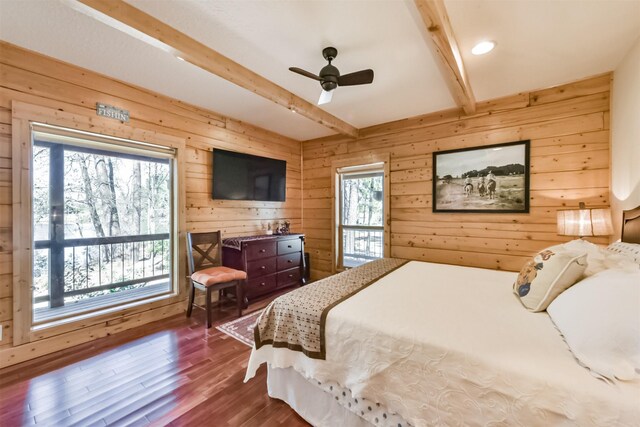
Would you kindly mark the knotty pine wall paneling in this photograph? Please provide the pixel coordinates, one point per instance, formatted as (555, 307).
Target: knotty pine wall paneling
(36, 79)
(569, 131)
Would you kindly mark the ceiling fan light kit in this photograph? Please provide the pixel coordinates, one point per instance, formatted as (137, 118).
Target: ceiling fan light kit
(325, 97)
(330, 78)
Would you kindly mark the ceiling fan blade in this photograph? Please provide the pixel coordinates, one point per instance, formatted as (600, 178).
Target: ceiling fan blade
(362, 77)
(305, 73)
(325, 97)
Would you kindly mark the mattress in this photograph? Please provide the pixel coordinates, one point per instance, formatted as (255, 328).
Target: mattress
(440, 344)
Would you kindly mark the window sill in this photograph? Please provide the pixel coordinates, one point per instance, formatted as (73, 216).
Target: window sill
(99, 314)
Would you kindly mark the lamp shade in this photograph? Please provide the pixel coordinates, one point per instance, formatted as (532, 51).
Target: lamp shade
(585, 222)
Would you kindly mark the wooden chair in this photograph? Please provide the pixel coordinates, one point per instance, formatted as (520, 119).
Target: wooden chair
(206, 273)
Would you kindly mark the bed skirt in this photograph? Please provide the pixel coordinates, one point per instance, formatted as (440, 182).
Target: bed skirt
(311, 403)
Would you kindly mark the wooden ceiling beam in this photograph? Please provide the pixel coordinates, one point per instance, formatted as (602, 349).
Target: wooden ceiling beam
(435, 18)
(209, 60)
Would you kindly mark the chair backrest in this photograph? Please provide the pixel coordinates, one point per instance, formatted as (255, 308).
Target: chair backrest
(204, 250)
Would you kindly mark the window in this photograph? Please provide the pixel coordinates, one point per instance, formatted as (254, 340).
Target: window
(103, 222)
(361, 230)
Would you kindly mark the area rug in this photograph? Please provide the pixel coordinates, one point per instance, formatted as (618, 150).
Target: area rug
(242, 328)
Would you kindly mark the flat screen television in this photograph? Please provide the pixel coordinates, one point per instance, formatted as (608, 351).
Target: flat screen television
(238, 176)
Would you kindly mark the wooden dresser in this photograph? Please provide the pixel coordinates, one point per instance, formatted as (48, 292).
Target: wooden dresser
(272, 262)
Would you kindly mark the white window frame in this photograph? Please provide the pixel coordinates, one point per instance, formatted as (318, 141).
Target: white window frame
(25, 119)
(364, 164)
(348, 173)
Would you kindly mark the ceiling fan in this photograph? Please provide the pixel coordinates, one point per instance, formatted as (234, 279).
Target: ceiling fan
(330, 77)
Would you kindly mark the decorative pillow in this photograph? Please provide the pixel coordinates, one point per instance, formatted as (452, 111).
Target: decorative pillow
(630, 250)
(599, 319)
(596, 255)
(547, 275)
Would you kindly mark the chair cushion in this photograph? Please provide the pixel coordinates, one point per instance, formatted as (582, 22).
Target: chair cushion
(214, 275)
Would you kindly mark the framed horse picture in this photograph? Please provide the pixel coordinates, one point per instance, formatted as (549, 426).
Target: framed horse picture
(487, 179)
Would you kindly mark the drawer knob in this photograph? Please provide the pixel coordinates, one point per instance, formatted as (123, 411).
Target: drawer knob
(263, 251)
(289, 261)
(264, 267)
(289, 246)
(291, 275)
(262, 284)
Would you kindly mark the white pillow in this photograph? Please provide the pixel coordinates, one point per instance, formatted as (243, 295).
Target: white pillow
(599, 318)
(600, 258)
(629, 250)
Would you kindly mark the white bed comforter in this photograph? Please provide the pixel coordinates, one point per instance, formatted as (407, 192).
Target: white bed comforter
(449, 345)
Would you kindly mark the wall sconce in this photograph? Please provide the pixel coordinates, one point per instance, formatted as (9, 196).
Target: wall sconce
(584, 222)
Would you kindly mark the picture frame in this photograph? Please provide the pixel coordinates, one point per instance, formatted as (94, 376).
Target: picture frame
(485, 179)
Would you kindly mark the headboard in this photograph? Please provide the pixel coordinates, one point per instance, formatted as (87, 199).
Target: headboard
(631, 225)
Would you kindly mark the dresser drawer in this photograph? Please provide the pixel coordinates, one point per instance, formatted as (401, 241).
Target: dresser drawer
(288, 246)
(288, 261)
(289, 277)
(257, 250)
(261, 285)
(261, 267)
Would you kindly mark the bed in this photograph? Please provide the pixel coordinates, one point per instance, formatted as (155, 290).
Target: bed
(431, 344)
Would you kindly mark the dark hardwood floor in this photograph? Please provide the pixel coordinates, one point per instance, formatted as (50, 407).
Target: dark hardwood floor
(174, 372)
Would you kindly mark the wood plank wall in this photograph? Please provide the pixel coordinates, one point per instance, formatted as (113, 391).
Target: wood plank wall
(569, 131)
(36, 79)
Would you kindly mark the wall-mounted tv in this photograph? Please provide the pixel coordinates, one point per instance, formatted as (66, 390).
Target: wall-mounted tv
(238, 176)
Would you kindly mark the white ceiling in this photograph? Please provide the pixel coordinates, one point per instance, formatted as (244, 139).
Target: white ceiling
(540, 43)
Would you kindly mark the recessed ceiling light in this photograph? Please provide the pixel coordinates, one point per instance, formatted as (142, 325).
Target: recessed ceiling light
(483, 47)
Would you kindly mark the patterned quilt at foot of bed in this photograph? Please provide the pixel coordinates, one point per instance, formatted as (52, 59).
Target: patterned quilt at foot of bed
(297, 320)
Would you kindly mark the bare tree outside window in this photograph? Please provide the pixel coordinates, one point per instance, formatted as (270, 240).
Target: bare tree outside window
(104, 230)
(361, 222)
